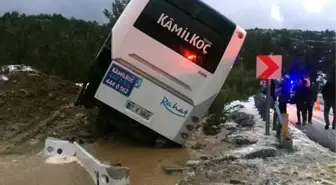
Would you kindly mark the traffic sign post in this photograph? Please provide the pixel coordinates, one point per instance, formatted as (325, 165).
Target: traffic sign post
(269, 67)
(268, 106)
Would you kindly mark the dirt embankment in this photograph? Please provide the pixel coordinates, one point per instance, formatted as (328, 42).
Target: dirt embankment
(34, 106)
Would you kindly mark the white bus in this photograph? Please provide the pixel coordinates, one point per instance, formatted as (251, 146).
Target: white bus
(168, 61)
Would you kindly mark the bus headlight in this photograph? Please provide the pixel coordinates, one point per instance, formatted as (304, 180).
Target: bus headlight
(190, 127)
(194, 119)
(184, 135)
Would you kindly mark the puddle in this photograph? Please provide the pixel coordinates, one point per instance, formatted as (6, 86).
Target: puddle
(32, 170)
(145, 163)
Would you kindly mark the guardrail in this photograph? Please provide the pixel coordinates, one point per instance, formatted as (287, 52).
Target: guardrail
(280, 121)
(260, 103)
(101, 174)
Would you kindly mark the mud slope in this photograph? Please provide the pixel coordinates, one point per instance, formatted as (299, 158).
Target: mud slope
(34, 106)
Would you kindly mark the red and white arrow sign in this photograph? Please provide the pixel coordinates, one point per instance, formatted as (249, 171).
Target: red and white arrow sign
(269, 67)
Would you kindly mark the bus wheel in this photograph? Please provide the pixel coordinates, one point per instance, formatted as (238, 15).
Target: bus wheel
(133, 124)
(103, 123)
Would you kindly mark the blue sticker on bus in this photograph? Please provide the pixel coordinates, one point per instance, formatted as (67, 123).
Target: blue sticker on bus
(120, 80)
(138, 82)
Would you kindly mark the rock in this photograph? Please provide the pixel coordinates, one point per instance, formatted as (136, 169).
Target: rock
(243, 119)
(252, 152)
(240, 139)
(270, 182)
(197, 146)
(213, 174)
(287, 143)
(235, 181)
(116, 164)
(171, 169)
(263, 153)
(192, 163)
(226, 157)
(204, 158)
(25, 93)
(230, 125)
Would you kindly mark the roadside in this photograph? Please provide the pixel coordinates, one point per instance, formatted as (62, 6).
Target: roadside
(308, 163)
(34, 106)
(315, 131)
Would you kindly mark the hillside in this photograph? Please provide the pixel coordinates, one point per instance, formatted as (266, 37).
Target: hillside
(306, 51)
(66, 47)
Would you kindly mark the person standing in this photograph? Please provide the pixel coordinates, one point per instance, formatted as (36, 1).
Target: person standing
(284, 96)
(328, 93)
(296, 94)
(312, 98)
(301, 101)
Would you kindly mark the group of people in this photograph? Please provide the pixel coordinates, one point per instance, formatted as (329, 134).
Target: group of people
(305, 96)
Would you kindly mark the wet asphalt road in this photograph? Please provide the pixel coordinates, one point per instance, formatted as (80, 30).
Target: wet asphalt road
(315, 131)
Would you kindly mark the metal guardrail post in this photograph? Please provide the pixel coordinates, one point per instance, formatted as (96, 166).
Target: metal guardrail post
(101, 174)
(278, 118)
(275, 121)
(260, 105)
(267, 108)
(262, 112)
(280, 121)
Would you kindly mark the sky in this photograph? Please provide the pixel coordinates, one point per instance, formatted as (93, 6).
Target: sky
(290, 14)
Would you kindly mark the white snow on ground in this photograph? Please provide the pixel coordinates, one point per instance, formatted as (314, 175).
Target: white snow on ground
(81, 84)
(3, 78)
(309, 163)
(10, 69)
(61, 159)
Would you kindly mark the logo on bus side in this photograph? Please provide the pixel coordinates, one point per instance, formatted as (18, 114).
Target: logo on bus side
(174, 108)
(193, 39)
(138, 82)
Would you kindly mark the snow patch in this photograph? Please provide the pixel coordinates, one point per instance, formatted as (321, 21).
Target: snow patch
(81, 84)
(7, 70)
(302, 166)
(300, 140)
(308, 163)
(15, 68)
(62, 159)
(3, 78)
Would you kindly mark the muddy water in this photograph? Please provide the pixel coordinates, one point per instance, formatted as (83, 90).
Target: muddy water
(145, 163)
(31, 170)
